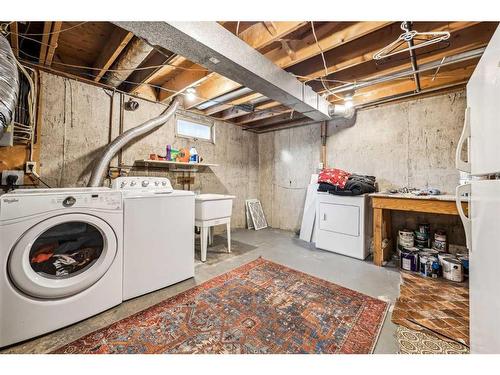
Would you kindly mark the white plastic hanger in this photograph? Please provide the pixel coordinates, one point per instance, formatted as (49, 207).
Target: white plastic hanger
(423, 39)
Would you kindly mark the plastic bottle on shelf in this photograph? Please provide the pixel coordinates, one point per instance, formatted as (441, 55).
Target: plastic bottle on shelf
(194, 157)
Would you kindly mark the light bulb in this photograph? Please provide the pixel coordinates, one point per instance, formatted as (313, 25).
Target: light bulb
(191, 94)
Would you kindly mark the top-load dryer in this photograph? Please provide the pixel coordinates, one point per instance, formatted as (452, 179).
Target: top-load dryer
(158, 234)
(60, 258)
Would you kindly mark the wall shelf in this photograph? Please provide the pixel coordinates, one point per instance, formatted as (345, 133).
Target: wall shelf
(175, 165)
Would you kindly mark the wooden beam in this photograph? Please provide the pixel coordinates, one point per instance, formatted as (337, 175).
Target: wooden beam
(14, 39)
(221, 107)
(54, 37)
(47, 26)
(116, 43)
(330, 35)
(237, 112)
(460, 41)
(273, 120)
(256, 36)
(465, 36)
(155, 59)
(362, 50)
(264, 114)
(448, 76)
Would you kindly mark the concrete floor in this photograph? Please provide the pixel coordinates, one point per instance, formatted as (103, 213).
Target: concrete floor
(276, 245)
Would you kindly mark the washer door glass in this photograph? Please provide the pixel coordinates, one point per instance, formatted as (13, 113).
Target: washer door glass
(66, 249)
(62, 256)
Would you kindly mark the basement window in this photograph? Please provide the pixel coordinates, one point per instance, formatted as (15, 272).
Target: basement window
(194, 130)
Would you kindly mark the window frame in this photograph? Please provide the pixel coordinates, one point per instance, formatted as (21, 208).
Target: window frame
(210, 124)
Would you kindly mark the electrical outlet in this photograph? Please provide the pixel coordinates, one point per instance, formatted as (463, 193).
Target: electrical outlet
(19, 174)
(30, 167)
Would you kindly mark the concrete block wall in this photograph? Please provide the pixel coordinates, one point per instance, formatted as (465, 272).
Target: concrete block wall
(79, 119)
(411, 143)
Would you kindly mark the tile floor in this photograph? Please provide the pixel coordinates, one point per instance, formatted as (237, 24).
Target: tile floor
(276, 245)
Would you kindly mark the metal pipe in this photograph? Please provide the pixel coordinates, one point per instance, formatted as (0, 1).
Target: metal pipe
(469, 55)
(413, 58)
(9, 85)
(323, 143)
(99, 171)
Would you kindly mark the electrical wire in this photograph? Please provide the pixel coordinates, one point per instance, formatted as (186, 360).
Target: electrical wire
(161, 88)
(109, 87)
(37, 176)
(324, 62)
(55, 32)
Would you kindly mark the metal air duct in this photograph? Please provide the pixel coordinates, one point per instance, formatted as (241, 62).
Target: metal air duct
(9, 85)
(99, 171)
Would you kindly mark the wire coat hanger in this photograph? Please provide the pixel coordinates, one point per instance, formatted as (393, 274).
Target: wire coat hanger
(425, 38)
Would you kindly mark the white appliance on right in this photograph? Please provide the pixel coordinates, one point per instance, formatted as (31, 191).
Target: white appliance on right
(481, 135)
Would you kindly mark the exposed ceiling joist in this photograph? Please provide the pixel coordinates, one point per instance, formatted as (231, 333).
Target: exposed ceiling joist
(156, 58)
(235, 112)
(47, 26)
(221, 107)
(361, 50)
(209, 44)
(54, 37)
(292, 52)
(257, 36)
(114, 46)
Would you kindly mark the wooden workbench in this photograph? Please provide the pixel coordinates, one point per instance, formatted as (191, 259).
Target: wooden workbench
(383, 203)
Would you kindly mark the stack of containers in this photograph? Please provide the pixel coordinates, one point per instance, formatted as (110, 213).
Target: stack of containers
(415, 254)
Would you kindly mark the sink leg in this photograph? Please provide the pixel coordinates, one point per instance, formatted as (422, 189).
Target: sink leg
(203, 240)
(210, 236)
(228, 226)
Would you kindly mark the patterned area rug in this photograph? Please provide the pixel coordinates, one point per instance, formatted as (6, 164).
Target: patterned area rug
(419, 342)
(260, 307)
(433, 305)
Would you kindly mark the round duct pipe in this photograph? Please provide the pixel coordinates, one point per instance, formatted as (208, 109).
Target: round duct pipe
(9, 85)
(341, 110)
(101, 168)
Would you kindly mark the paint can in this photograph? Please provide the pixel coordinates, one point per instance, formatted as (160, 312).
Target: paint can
(422, 235)
(409, 259)
(405, 238)
(440, 242)
(464, 259)
(453, 270)
(429, 266)
(441, 256)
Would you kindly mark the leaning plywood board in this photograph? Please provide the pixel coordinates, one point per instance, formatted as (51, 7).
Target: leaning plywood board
(309, 215)
(257, 214)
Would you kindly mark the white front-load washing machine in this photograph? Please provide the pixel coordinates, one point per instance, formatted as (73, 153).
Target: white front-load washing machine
(158, 236)
(60, 256)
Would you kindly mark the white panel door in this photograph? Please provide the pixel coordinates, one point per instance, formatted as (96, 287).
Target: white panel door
(483, 101)
(339, 218)
(485, 267)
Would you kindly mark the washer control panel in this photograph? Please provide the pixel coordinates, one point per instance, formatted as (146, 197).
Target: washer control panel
(31, 202)
(142, 183)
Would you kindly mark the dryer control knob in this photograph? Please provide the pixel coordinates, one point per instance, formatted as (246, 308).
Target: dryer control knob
(145, 183)
(157, 183)
(132, 183)
(164, 183)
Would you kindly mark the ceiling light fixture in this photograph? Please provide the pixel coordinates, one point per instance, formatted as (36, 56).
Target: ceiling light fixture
(190, 93)
(348, 101)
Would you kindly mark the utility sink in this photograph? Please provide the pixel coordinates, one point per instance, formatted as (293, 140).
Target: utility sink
(213, 206)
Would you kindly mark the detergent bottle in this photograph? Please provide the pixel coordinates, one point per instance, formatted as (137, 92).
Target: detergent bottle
(194, 157)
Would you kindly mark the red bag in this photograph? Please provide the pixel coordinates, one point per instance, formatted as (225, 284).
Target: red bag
(333, 176)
